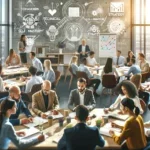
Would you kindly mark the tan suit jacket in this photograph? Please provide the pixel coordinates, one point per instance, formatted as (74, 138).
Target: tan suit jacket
(38, 105)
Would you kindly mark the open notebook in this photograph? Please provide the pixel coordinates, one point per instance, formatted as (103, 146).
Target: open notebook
(114, 114)
(106, 128)
(36, 121)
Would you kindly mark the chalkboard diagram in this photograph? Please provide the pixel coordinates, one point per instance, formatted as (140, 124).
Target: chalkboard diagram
(107, 45)
(73, 32)
(116, 26)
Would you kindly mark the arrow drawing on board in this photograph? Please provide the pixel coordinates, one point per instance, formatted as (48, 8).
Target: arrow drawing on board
(104, 21)
(45, 21)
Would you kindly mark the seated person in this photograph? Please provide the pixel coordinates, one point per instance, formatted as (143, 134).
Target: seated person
(91, 61)
(119, 60)
(44, 100)
(85, 69)
(128, 59)
(83, 49)
(1, 80)
(81, 96)
(33, 80)
(133, 131)
(81, 137)
(7, 131)
(36, 63)
(126, 89)
(134, 69)
(13, 59)
(49, 73)
(109, 68)
(15, 94)
(144, 65)
(73, 64)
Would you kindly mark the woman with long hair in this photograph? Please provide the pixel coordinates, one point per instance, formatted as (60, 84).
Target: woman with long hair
(126, 89)
(13, 59)
(73, 64)
(128, 59)
(7, 132)
(49, 73)
(22, 48)
(109, 68)
(133, 130)
(1, 80)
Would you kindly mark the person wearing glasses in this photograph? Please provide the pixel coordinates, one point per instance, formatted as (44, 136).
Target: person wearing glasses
(44, 100)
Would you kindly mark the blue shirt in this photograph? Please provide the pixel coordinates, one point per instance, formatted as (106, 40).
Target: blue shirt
(8, 134)
(49, 75)
(121, 61)
(37, 64)
(83, 68)
(134, 69)
(74, 68)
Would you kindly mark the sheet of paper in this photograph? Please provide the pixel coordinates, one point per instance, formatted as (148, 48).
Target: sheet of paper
(50, 113)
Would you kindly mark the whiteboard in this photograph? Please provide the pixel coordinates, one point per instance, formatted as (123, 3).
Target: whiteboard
(107, 45)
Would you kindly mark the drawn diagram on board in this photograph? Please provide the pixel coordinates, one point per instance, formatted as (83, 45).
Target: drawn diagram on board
(107, 45)
(52, 32)
(94, 30)
(29, 2)
(31, 39)
(116, 7)
(116, 26)
(73, 32)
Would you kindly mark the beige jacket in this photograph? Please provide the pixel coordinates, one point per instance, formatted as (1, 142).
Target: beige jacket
(38, 105)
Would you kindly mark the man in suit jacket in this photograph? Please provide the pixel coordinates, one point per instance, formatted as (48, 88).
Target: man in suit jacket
(81, 96)
(81, 137)
(44, 100)
(15, 94)
(83, 49)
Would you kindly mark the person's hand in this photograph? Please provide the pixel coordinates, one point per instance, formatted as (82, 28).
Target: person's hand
(20, 133)
(75, 108)
(111, 133)
(30, 119)
(24, 121)
(44, 116)
(106, 110)
(41, 138)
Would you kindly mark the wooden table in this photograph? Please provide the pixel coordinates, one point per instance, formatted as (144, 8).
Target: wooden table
(15, 71)
(13, 81)
(57, 131)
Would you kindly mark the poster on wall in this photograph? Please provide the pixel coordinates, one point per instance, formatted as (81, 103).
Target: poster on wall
(107, 45)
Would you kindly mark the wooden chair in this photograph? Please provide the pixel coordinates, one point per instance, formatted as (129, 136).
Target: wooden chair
(145, 76)
(109, 81)
(143, 105)
(57, 75)
(71, 77)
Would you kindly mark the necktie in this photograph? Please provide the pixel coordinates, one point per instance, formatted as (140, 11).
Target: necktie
(117, 60)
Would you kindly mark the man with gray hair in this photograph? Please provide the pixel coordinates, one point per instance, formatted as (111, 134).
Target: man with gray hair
(44, 100)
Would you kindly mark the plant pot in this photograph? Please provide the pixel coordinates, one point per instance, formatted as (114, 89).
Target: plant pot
(60, 50)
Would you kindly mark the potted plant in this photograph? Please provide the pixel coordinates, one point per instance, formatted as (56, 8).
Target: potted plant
(98, 123)
(61, 46)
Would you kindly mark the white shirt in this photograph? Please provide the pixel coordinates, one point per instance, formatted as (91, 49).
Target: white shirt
(83, 48)
(37, 64)
(81, 98)
(34, 80)
(121, 61)
(91, 61)
(1, 84)
(121, 97)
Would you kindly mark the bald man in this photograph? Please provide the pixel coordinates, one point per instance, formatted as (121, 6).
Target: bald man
(15, 94)
(83, 49)
(44, 100)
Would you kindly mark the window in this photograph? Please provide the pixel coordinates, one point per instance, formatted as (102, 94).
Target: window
(141, 27)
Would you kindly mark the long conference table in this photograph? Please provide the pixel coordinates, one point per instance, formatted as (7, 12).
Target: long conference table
(54, 132)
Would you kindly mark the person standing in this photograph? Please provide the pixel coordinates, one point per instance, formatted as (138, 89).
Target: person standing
(22, 48)
(83, 49)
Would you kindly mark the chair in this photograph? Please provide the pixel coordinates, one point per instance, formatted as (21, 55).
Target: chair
(143, 105)
(145, 76)
(81, 74)
(4, 94)
(71, 77)
(57, 75)
(109, 81)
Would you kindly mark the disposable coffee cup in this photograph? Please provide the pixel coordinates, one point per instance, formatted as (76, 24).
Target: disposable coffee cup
(66, 113)
(50, 120)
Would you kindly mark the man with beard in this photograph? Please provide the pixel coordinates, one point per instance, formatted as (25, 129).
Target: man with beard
(81, 96)
(15, 94)
(44, 100)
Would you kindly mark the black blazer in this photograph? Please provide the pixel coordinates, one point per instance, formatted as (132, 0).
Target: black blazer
(87, 49)
(80, 137)
(74, 99)
(128, 59)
